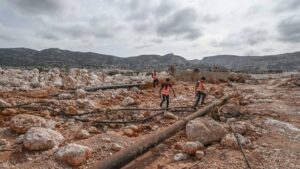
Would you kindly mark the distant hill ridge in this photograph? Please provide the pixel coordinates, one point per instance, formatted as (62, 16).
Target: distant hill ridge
(24, 57)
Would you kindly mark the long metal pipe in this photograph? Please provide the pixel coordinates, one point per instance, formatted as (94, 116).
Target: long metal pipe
(93, 89)
(141, 146)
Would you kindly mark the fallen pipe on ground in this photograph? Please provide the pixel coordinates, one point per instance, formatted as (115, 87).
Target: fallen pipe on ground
(141, 146)
(94, 89)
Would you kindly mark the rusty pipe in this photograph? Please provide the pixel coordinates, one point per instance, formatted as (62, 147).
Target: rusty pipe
(141, 146)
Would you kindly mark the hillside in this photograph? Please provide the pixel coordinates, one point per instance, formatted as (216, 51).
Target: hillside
(283, 62)
(23, 57)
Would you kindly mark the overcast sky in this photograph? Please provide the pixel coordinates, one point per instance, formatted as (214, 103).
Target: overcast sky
(190, 28)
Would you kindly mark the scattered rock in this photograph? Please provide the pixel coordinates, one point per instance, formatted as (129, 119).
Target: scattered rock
(15, 83)
(74, 154)
(129, 132)
(3, 142)
(93, 130)
(230, 120)
(9, 112)
(58, 82)
(65, 96)
(22, 122)
(80, 93)
(155, 127)
(128, 101)
(190, 148)
(135, 89)
(239, 127)
(134, 128)
(45, 114)
(49, 124)
(116, 147)
(69, 82)
(205, 130)
(19, 139)
(169, 115)
(199, 154)
(181, 157)
(35, 84)
(200, 145)
(106, 140)
(83, 134)
(146, 114)
(86, 104)
(71, 110)
(4, 103)
(38, 138)
(161, 166)
(230, 141)
(179, 146)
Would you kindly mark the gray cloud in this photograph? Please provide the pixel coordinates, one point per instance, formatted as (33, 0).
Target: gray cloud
(77, 31)
(180, 24)
(268, 49)
(164, 8)
(6, 34)
(142, 27)
(48, 36)
(6, 37)
(251, 53)
(286, 5)
(289, 29)
(122, 27)
(247, 36)
(157, 41)
(142, 46)
(253, 37)
(254, 10)
(210, 18)
(37, 6)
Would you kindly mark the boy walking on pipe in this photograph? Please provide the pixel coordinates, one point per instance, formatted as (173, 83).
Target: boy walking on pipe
(200, 91)
(164, 92)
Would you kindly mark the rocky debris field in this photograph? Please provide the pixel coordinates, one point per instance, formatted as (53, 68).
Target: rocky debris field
(48, 120)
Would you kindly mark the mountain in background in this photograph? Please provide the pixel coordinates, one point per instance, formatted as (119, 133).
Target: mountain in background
(54, 57)
(281, 62)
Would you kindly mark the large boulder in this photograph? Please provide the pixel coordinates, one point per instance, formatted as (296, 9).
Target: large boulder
(205, 130)
(38, 138)
(22, 122)
(74, 154)
(230, 141)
